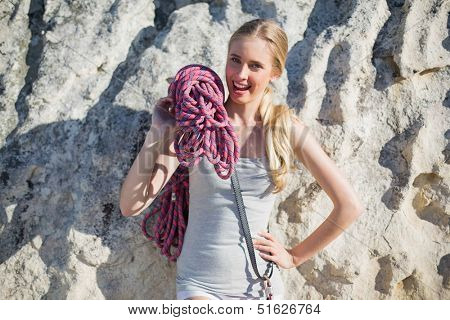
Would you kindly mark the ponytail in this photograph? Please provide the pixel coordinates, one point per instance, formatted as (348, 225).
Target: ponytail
(277, 124)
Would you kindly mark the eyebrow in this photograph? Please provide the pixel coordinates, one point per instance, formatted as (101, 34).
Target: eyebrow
(254, 61)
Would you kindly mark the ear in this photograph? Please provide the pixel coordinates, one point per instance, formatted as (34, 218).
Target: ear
(274, 76)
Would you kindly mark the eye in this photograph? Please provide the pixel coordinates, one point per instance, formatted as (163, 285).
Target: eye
(254, 65)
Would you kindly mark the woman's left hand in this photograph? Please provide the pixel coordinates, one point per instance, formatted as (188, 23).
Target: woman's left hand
(271, 245)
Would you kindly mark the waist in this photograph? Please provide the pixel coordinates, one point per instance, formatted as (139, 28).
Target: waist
(224, 258)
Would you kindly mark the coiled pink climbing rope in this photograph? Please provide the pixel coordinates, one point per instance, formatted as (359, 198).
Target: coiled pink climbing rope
(198, 93)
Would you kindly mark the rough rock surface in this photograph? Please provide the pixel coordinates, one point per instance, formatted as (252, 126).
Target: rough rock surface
(78, 82)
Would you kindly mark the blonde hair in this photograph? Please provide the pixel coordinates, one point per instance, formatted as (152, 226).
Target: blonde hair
(276, 119)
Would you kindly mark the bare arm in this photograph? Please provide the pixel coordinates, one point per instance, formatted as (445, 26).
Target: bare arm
(347, 206)
(152, 168)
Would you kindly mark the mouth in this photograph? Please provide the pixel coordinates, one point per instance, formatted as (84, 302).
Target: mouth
(240, 89)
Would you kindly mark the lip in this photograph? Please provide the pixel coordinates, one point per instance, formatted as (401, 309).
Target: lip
(238, 93)
(242, 85)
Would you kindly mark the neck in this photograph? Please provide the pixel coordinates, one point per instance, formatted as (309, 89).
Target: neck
(245, 114)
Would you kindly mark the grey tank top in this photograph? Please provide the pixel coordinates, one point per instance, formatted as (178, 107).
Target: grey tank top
(214, 257)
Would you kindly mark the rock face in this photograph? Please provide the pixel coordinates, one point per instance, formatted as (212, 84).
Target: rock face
(78, 82)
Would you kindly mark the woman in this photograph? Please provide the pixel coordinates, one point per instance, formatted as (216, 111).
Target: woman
(214, 262)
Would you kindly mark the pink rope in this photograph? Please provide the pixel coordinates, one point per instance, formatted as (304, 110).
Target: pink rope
(198, 93)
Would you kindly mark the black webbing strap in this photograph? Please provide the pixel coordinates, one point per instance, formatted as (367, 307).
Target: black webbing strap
(244, 223)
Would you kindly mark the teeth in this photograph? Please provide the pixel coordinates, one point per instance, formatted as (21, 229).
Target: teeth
(241, 86)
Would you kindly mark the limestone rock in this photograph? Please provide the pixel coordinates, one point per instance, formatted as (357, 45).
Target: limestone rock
(78, 83)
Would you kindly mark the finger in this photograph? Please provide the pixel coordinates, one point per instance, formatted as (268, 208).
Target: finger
(263, 242)
(164, 105)
(267, 257)
(165, 101)
(170, 106)
(267, 249)
(266, 235)
(162, 109)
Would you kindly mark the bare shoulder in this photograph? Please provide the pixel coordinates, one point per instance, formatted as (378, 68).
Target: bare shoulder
(297, 123)
(300, 132)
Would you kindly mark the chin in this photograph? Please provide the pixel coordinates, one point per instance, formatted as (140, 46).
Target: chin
(240, 100)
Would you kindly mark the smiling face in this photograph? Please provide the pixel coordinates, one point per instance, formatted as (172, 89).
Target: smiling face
(249, 66)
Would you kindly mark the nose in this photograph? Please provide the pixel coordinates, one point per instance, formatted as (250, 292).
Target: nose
(243, 72)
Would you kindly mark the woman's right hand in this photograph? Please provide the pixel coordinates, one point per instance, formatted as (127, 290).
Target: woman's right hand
(163, 117)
